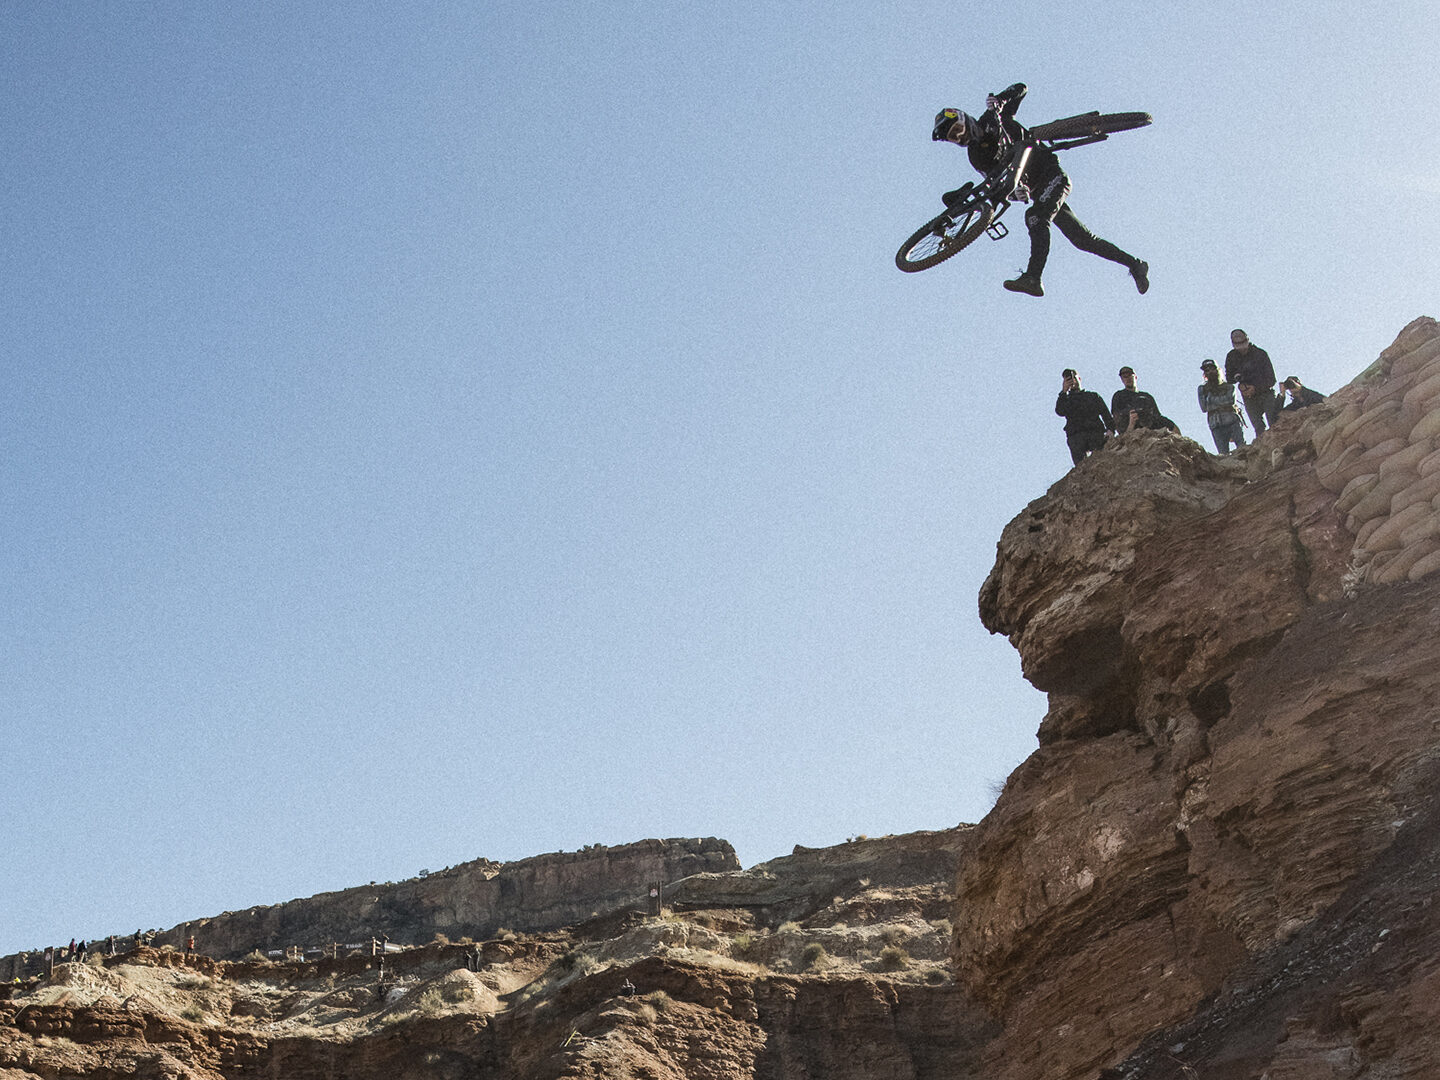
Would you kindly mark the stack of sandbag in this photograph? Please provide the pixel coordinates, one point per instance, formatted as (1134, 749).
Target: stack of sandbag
(1380, 454)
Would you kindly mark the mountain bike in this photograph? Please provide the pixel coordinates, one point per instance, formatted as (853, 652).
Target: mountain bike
(977, 208)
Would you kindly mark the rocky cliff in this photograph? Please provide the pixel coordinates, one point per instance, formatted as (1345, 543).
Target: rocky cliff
(1221, 863)
(1229, 827)
(828, 962)
(475, 899)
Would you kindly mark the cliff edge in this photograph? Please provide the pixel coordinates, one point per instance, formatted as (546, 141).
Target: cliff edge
(1235, 794)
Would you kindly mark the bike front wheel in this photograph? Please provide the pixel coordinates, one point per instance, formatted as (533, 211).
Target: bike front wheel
(941, 237)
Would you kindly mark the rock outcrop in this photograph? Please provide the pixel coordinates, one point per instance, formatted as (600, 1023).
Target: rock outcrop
(712, 989)
(474, 899)
(1244, 725)
(1221, 863)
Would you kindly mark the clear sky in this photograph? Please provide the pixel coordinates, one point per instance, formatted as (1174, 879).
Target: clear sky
(446, 430)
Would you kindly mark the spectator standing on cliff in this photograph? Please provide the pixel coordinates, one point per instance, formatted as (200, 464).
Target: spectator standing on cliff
(80, 951)
(1087, 420)
(139, 939)
(70, 953)
(1248, 367)
(1131, 408)
(110, 945)
(1217, 402)
(190, 945)
(1301, 396)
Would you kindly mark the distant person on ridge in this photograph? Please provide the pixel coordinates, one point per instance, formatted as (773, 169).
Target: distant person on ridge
(1087, 421)
(989, 141)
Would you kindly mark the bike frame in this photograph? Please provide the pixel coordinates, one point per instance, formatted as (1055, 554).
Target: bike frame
(999, 186)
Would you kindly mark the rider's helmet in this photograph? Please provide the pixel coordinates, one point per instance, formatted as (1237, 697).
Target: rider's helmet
(952, 125)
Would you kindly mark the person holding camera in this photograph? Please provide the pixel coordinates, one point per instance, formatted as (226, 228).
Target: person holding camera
(1131, 408)
(1301, 396)
(1087, 420)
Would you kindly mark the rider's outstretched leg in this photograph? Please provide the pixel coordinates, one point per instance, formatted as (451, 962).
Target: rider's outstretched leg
(1075, 231)
(1049, 200)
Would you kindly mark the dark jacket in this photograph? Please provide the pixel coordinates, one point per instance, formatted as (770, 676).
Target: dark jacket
(1126, 399)
(997, 140)
(1253, 367)
(1305, 398)
(1083, 410)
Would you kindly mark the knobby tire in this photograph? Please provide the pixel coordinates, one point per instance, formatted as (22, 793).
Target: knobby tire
(943, 236)
(1076, 127)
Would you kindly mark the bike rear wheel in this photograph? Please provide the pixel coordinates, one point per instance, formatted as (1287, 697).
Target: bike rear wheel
(943, 236)
(1091, 123)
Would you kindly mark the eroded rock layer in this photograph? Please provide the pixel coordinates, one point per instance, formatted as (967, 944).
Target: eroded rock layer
(1244, 685)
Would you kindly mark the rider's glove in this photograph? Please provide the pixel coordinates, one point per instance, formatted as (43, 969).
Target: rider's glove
(991, 101)
(1021, 194)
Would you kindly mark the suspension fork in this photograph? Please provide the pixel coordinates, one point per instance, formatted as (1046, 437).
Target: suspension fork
(1016, 172)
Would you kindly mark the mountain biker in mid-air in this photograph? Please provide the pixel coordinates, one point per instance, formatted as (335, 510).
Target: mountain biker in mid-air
(989, 141)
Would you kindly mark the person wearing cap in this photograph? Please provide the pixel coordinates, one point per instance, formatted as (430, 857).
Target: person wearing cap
(1217, 402)
(1248, 367)
(1131, 408)
(1301, 396)
(1087, 420)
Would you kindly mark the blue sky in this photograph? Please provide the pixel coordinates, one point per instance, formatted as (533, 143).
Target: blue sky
(490, 429)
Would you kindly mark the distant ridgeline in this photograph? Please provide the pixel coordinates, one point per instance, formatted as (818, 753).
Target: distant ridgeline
(474, 899)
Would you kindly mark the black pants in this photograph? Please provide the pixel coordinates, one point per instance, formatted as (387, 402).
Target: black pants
(1050, 205)
(1083, 442)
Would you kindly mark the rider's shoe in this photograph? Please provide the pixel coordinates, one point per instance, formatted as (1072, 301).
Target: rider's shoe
(1026, 283)
(1141, 273)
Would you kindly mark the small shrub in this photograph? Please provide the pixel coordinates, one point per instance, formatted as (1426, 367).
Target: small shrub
(935, 976)
(255, 956)
(894, 935)
(788, 928)
(943, 927)
(439, 939)
(192, 982)
(193, 1014)
(431, 1002)
(814, 957)
(659, 1000)
(894, 958)
(535, 990)
(646, 1014)
(455, 993)
(506, 935)
(742, 943)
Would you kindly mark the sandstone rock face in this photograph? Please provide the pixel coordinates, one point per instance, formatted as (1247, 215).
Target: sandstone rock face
(474, 899)
(715, 989)
(801, 885)
(1244, 721)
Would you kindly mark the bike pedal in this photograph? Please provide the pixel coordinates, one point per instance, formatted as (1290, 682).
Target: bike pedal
(997, 230)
